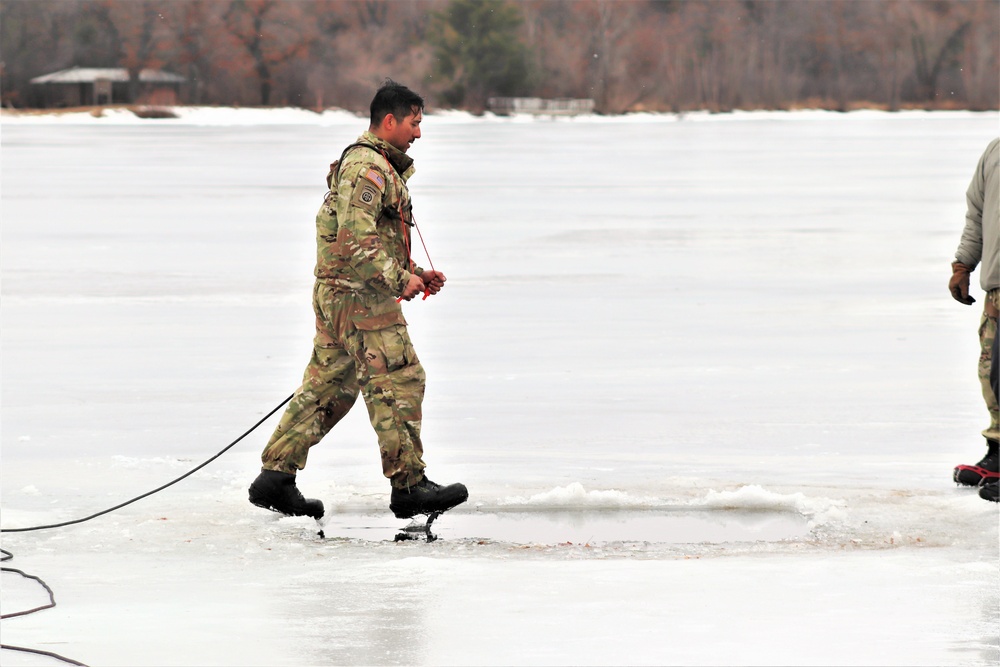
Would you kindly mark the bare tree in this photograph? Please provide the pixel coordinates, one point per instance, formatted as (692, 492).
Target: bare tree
(137, 29)
(716, 60)
(884, 39)
(269, 40)
(767, 71)
(626, 54)
(938, 31)
(197, 32)
(981, 57)
(361, 44)
(29, 42)
(610, 25)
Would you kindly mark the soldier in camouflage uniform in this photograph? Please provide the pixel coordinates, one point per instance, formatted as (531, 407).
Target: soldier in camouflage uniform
(980, 244)
(361, 344)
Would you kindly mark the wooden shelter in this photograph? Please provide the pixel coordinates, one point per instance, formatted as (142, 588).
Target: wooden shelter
(83, 86)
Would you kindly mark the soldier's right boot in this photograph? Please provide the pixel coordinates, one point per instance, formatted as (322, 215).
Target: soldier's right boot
(426, 497)
(276, 491)
(990, 491)
(988, 469)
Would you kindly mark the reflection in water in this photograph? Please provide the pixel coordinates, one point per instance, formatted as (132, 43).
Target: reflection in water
(589, 526)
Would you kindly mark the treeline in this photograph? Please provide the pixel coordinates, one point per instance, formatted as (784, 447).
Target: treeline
(625, 54)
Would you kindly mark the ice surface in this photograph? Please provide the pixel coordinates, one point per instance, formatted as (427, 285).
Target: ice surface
(725, 318)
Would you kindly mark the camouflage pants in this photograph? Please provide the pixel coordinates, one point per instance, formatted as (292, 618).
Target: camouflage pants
(353, 352)
(987, 333)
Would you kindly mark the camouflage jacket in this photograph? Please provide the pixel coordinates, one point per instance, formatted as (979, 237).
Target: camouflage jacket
(363, 226)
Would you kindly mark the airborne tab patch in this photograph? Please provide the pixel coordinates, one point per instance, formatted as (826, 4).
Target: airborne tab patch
(375, 178)
(366, 196)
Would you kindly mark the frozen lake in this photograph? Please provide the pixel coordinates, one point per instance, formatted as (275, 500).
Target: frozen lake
(702, 377)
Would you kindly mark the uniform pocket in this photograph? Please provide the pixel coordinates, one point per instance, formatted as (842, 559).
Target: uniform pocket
(377, 314)
(387, 350)
(991, 307)
(395, 344)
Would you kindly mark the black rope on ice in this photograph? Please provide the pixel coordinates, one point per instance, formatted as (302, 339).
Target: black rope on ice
(52, 603)
(52, 599)
(156, 490)
(52, 596)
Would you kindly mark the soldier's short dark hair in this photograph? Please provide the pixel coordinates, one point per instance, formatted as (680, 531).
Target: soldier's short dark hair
(396, 99)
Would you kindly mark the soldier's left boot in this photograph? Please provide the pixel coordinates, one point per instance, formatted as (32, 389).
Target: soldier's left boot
(987, 470)
(990, 491)
(426, 497)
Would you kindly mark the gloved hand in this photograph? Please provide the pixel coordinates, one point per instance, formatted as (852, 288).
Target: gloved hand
(959, 283)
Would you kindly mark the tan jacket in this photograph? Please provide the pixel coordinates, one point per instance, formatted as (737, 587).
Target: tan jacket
(981, 236)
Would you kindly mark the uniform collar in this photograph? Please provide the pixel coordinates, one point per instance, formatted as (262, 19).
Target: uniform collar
(399, 160)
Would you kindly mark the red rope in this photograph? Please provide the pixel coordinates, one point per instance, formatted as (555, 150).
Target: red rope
(420, 235)
(406, 235)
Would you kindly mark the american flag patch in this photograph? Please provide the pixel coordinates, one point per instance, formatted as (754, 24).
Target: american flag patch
(375, 178)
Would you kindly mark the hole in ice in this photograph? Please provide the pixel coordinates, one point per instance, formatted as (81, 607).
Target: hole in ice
(589, 526)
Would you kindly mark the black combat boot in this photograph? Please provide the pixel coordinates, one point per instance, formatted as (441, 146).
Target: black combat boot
(276, 491)
(426, 497)
(988, 469)
(990, 490)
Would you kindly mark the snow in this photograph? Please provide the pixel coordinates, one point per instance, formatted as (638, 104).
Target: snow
(701, 374)
(199, 116)
(255, 117)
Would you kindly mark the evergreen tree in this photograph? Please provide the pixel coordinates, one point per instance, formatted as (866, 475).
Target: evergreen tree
(478, 52)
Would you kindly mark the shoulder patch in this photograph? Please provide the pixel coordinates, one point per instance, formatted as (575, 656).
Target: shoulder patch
(366, 196)
(375, 178)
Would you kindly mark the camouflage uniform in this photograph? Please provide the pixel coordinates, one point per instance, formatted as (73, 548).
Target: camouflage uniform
(361, 344)
(987, 332)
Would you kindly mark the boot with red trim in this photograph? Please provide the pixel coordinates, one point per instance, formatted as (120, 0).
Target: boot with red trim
(987, 470)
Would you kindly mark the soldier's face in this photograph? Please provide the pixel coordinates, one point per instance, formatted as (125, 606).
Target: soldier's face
(402, 133)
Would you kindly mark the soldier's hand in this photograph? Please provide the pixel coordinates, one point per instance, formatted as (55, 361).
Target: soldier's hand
(414, 287)
(959, 283)
(433, 281)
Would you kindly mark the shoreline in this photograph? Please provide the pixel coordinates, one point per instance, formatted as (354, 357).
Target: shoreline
(215, 115)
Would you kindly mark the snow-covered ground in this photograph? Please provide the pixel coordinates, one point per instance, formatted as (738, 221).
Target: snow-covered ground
(701, 374)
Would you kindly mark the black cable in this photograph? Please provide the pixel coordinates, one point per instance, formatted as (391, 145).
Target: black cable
(36, 651)
(157, 490)
(52, 598)
(52, 603)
